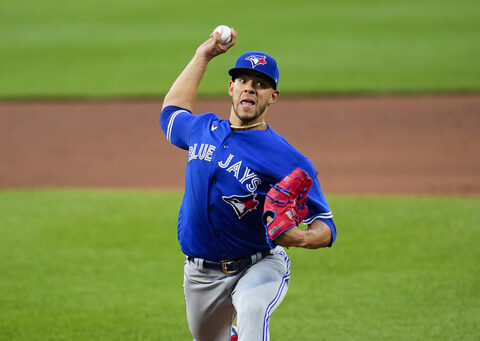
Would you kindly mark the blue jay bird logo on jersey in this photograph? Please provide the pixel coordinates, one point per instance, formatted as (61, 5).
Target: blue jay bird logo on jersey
(257, 60)
(242, 204)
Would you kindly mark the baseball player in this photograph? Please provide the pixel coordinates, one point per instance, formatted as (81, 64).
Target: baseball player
(246, 191)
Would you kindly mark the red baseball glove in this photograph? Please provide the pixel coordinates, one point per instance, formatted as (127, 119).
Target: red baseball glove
(286, 203)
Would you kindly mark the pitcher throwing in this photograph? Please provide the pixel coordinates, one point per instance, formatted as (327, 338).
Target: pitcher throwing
(235, 265)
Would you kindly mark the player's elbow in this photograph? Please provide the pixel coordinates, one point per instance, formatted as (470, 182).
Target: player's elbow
(317, 235)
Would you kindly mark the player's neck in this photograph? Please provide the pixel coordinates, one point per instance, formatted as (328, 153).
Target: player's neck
(252, 126)
(236, 123)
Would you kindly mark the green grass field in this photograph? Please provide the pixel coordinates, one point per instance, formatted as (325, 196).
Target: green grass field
(106, 265)
(102, 48)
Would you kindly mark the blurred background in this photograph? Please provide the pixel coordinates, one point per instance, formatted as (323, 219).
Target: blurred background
(54, 49)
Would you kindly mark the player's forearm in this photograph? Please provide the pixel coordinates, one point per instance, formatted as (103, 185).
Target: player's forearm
(317, 235)
(183, 92)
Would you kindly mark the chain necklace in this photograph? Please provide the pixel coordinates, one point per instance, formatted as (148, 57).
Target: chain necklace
(248, 127)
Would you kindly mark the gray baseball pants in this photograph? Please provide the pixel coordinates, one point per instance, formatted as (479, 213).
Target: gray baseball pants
(213, 299)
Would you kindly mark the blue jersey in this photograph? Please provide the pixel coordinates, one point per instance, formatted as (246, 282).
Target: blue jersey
(228, 173)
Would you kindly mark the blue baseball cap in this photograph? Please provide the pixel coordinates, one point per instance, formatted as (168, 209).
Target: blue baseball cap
(259, 62)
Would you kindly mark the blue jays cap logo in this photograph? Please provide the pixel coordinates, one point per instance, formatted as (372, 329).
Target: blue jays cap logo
(257, 60)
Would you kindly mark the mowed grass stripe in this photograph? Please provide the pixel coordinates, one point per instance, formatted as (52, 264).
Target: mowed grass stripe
(99, 49)
(106, 265)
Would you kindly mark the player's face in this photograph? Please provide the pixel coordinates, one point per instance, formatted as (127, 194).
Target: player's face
(251, 94)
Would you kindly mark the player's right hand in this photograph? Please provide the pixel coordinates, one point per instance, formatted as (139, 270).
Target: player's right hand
(212, 47)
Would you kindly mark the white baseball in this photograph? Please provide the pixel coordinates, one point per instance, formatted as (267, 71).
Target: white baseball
(225, 34)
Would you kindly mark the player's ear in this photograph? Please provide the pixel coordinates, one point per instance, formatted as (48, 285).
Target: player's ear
(274, 96)
(230, 88)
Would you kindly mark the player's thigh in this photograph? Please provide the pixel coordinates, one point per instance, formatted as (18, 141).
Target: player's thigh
(210, 311)
(263, 285)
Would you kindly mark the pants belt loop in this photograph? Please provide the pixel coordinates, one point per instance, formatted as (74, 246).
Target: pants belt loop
(256, 257)
(198, 263)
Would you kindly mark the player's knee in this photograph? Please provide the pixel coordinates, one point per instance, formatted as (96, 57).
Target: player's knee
(252, 308)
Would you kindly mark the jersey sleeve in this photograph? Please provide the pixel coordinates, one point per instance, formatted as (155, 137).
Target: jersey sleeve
(318, 208)
(177, 124)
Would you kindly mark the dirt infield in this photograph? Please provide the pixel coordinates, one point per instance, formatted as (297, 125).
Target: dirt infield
(360, 145)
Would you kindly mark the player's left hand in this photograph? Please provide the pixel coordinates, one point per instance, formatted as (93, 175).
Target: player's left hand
(286, 206)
